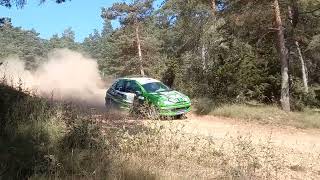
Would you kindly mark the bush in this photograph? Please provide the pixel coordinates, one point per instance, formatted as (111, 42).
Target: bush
(270, 115)
(203, 106)
(300, 99)
(27, 134)
(43, 137)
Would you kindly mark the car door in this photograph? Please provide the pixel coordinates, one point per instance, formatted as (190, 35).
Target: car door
(125, 93)
(116, 92)
(122, 93)
(130, 91)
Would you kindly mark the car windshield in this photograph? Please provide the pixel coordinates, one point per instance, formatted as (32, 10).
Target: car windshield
(155, 87)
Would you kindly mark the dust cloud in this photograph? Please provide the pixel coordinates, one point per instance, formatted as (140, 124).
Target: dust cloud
(66, 76)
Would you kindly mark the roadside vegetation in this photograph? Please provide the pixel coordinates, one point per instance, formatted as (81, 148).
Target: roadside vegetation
(256, 112)
(202, 48)
(224, 54)
(43, 139)
(308, 118)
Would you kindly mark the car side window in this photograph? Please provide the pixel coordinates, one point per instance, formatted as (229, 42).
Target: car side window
(132, 87)
(120, 86)
(114, 85)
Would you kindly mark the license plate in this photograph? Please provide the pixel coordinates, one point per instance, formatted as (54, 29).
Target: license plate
(181, 112)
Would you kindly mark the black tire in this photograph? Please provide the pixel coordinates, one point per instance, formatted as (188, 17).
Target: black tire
(144, 109)
(181, 116)
(152, 112)
(136, 108)
(108, 104)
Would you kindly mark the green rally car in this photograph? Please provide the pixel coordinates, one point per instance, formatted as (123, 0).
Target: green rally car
(125, 92)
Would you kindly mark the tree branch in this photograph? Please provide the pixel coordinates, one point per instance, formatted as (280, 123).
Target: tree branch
(264, 35)
(274, 29)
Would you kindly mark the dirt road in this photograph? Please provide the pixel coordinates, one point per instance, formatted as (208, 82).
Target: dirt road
(296, 151)
(304, 140)
(298, 148)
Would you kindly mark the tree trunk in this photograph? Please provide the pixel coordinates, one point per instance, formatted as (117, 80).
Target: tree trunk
(204, 48)
(139, 49)
(303, 66)
(203, 57)
(213, 6)
(283, 54)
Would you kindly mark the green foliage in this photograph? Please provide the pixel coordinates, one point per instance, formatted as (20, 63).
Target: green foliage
(41, 137)
(122, 58)
(21, 3)
(301, 99)
(26, 133)
(231, 56)
(227, 56)
(24, 44)
(100, 47)
(29, 47)
(67, 40)
(129, 13)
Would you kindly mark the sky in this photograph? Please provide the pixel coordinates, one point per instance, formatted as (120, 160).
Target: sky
(50, 18)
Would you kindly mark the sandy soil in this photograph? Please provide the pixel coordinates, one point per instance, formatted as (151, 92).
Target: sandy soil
(300, 148)
(304, 140)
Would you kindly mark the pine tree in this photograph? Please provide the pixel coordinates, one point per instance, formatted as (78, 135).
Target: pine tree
(283, 55)
(132, 15)
(67, 40)
(21, 3)
(25, 44)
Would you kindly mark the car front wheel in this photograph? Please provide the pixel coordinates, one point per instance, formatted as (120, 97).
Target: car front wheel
(152, 112)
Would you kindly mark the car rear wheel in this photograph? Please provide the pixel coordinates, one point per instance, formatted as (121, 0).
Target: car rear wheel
(109, 104)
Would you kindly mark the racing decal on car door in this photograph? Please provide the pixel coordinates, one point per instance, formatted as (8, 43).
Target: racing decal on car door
(126, 95)
(129, 97)
(123, 93)
(130, 88)
(117, 95)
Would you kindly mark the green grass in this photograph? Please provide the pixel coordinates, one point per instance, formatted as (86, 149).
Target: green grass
(309, 118)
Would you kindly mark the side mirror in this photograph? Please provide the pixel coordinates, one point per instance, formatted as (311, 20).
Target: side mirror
(138, 93)
(139, 96)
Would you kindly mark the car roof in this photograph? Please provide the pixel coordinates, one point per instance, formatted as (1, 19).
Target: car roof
(141, 80)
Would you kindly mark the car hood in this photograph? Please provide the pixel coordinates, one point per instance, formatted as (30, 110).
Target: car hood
(169, 97)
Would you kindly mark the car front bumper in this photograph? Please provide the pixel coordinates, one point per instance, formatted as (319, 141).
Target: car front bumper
(175, 110)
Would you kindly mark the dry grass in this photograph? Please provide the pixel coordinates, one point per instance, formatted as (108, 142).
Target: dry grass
(170, 152)
(67, 141)
(270, 115)
(167, 150)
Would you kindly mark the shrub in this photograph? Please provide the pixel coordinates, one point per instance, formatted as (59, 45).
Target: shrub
(203, 106)
(27, 134)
